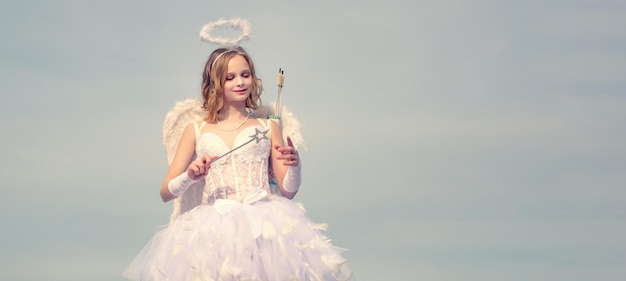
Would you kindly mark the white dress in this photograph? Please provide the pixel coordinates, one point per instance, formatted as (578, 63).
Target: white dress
(240, 231)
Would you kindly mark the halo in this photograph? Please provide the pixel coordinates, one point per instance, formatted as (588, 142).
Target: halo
(243, 25)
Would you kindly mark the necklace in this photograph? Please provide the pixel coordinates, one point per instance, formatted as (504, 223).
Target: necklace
(233, 129)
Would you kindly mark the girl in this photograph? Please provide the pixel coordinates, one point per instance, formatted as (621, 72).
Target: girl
(239, 230)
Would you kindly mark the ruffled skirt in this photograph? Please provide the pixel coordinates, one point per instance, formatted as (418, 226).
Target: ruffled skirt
(271, 239)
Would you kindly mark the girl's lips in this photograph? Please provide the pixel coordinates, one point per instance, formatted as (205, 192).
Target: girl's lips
(240, 91)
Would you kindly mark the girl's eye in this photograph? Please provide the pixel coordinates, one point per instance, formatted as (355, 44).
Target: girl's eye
(246, 74)
(230, 77)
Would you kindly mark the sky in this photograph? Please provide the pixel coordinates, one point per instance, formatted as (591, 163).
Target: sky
(446, 140)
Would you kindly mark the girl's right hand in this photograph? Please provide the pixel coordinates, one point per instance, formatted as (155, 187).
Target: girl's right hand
(199, 168)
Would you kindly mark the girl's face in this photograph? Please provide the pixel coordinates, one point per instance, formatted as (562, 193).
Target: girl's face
(238, 83)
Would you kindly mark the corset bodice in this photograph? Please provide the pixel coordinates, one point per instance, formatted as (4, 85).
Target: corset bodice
(236, 174)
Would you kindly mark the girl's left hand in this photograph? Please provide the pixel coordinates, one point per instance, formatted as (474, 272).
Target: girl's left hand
(288, 153)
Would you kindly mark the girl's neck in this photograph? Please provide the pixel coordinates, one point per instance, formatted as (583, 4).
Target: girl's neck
(232, 112)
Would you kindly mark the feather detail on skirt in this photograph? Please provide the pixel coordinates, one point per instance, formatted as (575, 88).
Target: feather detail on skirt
(207, 244)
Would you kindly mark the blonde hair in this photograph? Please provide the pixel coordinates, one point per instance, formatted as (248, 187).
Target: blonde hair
(214, 76)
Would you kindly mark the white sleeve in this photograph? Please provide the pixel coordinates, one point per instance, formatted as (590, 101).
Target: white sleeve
(178, 185)
(293, 178)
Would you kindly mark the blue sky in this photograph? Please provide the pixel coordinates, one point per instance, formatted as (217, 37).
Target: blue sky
(447, 140)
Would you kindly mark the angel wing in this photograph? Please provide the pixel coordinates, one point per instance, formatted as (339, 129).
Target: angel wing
(190, 110)
(183, 113)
